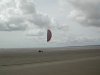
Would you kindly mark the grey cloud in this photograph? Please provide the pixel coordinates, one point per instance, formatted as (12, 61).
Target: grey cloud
(19, 15)
(41, 20)
(27, 6)
(86, 12)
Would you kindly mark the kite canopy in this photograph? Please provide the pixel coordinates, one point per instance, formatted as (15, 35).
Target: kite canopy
(49, 35)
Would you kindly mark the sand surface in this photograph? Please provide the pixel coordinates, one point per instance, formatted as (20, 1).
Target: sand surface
(61, 62)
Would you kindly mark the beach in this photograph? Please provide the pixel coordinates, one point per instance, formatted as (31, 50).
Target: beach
(52, 61)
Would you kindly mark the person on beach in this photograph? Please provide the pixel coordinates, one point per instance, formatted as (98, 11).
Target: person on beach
(40, 51)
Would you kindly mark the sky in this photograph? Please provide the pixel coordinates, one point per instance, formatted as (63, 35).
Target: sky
(24, 23)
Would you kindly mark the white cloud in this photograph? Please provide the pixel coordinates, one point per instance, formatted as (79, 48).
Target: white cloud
(20, 15)
(35, 32)
(86, 12)
(81, 40)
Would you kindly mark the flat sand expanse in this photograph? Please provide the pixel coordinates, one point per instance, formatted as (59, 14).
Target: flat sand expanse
(61, 62)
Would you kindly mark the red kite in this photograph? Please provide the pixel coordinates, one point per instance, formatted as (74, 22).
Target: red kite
(49, 35)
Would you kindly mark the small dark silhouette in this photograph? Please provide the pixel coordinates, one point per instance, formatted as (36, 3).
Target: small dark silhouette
(40, 51)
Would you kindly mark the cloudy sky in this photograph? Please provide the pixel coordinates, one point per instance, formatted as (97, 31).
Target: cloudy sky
(23, 23)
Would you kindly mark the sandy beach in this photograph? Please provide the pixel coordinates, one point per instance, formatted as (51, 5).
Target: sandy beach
(52, 61)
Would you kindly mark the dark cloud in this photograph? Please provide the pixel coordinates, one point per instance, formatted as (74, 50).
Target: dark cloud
(86, 12)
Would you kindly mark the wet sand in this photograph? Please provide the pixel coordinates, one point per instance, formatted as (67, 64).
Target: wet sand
(56, 61)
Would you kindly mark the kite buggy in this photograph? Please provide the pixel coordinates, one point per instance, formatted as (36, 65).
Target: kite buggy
(49, 36)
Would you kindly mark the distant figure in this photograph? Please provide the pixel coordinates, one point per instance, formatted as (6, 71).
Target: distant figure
(40, 51)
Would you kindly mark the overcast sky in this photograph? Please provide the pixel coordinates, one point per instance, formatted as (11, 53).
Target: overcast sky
(23, 23)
